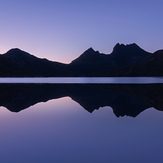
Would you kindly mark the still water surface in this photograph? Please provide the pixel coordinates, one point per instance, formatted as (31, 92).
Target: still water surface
(59, 126)
(73, 80)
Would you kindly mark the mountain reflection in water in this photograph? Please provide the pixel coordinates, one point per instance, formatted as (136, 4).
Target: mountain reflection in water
(124, 99)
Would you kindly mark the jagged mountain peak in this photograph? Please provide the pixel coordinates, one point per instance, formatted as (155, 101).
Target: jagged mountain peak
(90, 50)
(121, 50)
(89, 55)
(120, 47)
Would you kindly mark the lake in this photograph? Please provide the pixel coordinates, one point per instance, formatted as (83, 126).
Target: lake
(85, 80)
(81, 120)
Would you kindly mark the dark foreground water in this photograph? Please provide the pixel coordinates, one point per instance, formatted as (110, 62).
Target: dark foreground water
(83, 123)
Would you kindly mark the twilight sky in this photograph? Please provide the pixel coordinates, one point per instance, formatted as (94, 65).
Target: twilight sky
(61, 30)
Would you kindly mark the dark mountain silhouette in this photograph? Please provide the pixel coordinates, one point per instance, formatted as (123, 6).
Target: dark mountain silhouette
(90, 62)
(151, 66)
(126, 55)
(128, 100)
(93, 63)
(123, 61)
(19, 63)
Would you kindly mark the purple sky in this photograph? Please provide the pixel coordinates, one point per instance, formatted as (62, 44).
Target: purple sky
(61, 131)
(61, 30)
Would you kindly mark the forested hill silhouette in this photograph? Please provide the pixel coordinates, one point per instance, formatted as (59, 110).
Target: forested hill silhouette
(125, 60)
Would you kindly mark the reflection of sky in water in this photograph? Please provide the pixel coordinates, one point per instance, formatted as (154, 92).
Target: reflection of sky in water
(62, 131)
(129, 80)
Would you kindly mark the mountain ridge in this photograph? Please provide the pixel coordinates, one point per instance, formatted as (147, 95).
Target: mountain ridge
(124, 60)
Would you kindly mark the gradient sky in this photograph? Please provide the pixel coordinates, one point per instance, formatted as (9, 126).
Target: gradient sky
(61, 30)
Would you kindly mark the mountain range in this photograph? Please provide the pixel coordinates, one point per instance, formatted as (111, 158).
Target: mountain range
(124, 60)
